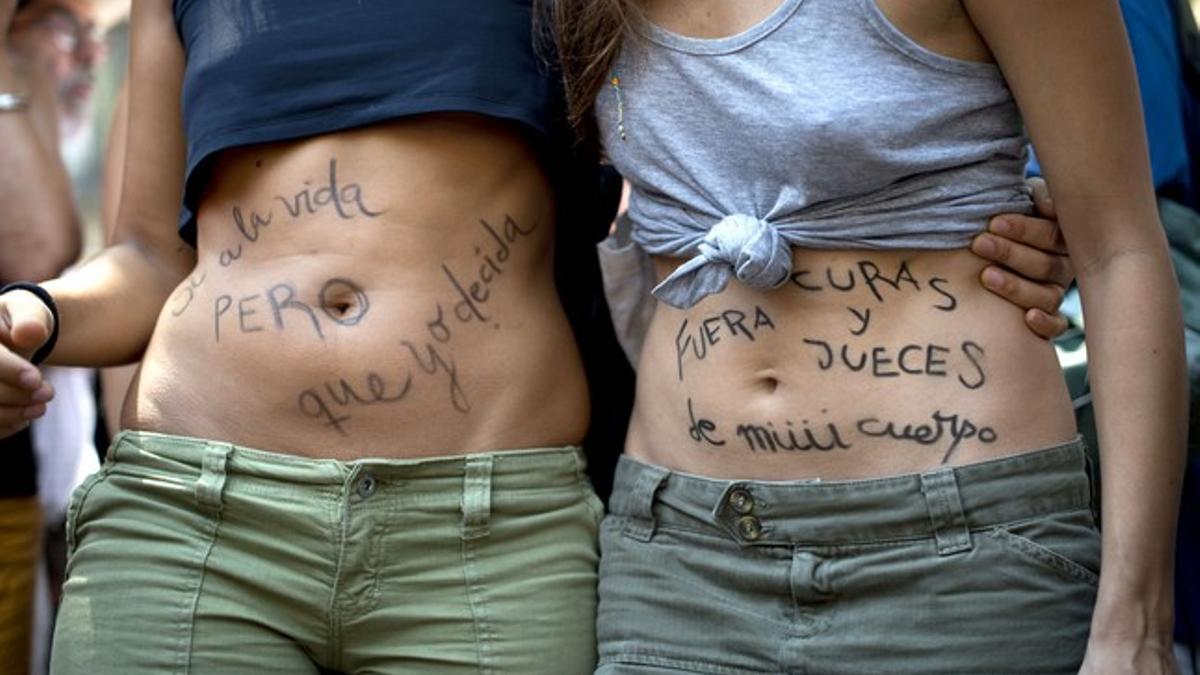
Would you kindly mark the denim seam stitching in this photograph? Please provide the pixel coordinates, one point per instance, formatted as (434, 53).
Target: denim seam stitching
(1038, 517)
(201, 574)
(1044, 556)
(375, 554)
(475, 600)
(338, 515)
(75, 508)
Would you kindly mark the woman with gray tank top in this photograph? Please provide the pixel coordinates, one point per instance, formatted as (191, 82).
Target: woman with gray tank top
(845, 455)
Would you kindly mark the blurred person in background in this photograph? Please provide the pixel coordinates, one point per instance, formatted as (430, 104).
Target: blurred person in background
(46, 73)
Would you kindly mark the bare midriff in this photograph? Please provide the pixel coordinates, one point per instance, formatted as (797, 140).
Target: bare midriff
(379, 292)
(864, 364)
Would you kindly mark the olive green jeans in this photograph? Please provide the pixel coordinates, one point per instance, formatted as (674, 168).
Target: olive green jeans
(985, 568)
(194, 556)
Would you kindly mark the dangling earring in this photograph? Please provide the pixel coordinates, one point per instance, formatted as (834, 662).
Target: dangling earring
(615, 82)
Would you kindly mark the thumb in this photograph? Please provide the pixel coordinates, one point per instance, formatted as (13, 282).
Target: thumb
(1041, 198)
(27, 322)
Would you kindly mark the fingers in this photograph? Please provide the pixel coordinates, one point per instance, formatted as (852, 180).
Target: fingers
(1040, 301)
(17, 416)
(23, 393)
(1041, 197)
(20, 380)
(1047, 326)
(25, 322)
(19, 397)
(1029, 261)
(1038, 233)
(17, 372)
(1022, 292)
(13, 420)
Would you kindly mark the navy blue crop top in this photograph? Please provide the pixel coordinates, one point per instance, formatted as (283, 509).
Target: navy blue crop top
(269, 70)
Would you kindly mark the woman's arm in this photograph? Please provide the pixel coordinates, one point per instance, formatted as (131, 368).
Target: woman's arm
(1069, 66)
(119, 293)
(113, 173)
(39, 229)
(108, 306)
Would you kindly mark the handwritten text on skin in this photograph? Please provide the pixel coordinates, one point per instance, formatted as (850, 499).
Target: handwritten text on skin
(854, 355)
(343, 303)
(332, 402)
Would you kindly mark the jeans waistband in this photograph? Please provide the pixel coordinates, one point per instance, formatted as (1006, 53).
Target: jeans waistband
(194, 458)
(944, 503)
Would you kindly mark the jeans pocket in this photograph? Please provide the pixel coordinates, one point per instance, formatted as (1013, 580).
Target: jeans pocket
(689, 601)
(75, 507)
(1066, 543)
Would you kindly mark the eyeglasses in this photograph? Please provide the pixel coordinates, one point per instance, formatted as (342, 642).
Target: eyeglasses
(69, 33)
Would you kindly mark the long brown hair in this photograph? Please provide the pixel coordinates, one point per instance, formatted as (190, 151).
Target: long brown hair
(587, 35)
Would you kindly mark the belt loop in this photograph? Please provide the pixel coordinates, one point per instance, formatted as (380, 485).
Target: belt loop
(477, 496)
(944, 502)
(114, 447)
(641, 502)
(581, 466)
(213, 473)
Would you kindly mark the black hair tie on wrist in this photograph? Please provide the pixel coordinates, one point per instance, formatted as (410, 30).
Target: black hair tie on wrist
(41, 354)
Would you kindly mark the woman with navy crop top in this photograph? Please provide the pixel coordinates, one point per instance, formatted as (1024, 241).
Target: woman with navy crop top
(845, 456)
(354, 434)
(319, 475)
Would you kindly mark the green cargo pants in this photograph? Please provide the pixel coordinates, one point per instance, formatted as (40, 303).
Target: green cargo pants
(194, 556)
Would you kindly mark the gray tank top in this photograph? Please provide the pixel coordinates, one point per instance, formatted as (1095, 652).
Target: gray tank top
(823, 126)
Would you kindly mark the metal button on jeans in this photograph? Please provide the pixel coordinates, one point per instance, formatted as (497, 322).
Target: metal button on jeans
(749, 527)
(366, 485)
(741, 501)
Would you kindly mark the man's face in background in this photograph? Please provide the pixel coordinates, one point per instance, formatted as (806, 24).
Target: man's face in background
(59, 43)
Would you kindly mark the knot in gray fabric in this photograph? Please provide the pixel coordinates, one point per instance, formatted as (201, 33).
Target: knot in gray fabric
(738, 245)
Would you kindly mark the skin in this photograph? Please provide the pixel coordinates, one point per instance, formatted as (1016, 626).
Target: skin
(39, 229)
(1073, 80)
